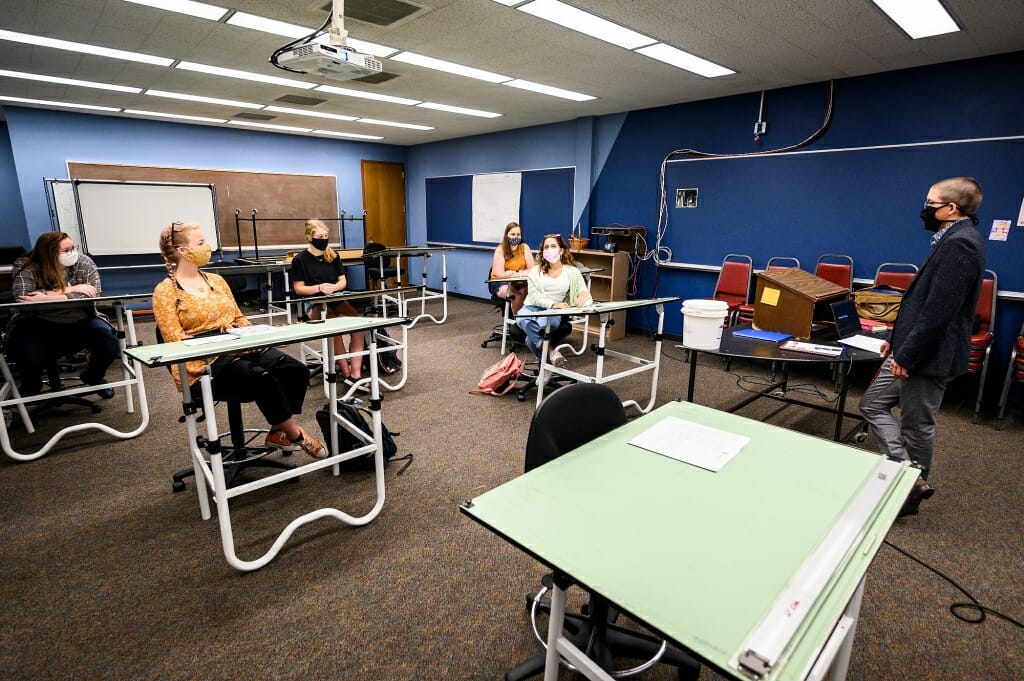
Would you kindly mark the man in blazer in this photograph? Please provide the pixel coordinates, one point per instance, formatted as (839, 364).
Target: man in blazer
(931, 337)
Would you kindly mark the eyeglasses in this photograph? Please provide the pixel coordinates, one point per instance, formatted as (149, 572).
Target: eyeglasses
(936, 204)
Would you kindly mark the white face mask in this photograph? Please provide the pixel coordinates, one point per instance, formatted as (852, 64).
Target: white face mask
(552, 255)
(68, 259)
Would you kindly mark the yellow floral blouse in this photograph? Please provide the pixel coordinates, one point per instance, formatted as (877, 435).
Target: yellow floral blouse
(180, 315)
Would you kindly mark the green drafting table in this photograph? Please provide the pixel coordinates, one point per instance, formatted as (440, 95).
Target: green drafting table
(399, 345)
(131, 376)
(757, 569)
(604, 311)
(211, 473)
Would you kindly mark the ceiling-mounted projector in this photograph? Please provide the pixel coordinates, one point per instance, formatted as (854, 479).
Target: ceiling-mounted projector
(330, 61)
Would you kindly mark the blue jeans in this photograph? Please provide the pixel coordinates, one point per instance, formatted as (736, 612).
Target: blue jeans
(35, 343)
(533, 327)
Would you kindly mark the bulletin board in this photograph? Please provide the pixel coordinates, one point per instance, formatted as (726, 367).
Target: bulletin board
(545, 206)
(271, 194)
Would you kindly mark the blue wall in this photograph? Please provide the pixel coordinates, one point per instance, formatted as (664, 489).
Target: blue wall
(12, 218)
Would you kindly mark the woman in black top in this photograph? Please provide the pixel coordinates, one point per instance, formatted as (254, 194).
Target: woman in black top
(319, 271)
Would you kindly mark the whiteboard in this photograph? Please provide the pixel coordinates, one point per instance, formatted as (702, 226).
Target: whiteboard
(65, 209)
(496, 199)
(120, 218)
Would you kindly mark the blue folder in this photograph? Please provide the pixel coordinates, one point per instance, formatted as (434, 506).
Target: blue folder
(770, 336)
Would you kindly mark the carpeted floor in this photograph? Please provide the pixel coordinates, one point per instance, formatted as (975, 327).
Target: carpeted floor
(107, 574)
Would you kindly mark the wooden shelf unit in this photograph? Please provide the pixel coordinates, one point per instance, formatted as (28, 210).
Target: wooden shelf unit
(608, 284)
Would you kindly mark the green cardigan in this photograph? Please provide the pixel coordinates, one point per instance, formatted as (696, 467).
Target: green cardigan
(537, 297)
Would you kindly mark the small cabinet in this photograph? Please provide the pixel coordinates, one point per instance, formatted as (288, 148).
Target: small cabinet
(608, 284)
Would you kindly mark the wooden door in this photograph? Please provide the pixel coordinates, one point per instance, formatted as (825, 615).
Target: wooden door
(384, 202)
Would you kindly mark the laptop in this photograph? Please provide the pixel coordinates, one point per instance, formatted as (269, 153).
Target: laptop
(844, 312)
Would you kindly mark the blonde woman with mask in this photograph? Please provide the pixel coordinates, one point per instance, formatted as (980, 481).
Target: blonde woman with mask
(318, 271)
(192, 303)
(512, 258)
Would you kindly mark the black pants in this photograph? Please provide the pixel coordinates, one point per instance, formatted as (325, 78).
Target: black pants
(35, 343)
(275, 381)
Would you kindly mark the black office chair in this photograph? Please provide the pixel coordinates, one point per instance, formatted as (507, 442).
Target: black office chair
(377, 270)
(555, 430)
(240, 454)
(558, 334)
(239, 284)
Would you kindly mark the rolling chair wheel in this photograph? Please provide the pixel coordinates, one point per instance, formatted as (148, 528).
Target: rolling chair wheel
(178, 486)
(96, 408)
(861, 438)
(521, 397)
(484, 344)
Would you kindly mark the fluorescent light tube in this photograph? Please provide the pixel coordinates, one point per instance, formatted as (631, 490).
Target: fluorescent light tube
(83, 48)
(577, 20)
(369, 48)
(195, 9)
(508, 3)
(919, 18)
(684, 60)
(458, 110)
(353, 135)
(197, 98)
(549, 90)
(366, 95)
(270, 126)
(315, 114)
(161, 114)
(244, 75)
(66, 105)
(374, 121)
(68, 81)
(449, 67)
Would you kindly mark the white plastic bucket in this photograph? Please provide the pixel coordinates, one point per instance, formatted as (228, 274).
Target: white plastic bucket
(702, 323)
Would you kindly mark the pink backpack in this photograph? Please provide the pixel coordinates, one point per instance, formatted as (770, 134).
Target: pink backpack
(500, 378)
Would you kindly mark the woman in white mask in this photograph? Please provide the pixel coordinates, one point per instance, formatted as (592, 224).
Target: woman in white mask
(555, 283)
(55, 270)
(190, 303)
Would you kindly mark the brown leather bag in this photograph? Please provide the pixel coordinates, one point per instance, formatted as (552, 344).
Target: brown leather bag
(880, 304)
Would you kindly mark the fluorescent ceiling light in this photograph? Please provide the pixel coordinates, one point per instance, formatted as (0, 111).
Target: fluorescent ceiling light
(374, 121)
(366, 95)
(244, 75)
(197, 98)
(315, 114)
(449, 67)
(684, 60)
(68, 81)
(353, 135)
(458, 110)
(66, 105)
(160, 114)
(508, 3)
(195, 9)
(584, 22)
(283, 28)
(549, 90)
(83, 48)
(270, 126)
(919, 18)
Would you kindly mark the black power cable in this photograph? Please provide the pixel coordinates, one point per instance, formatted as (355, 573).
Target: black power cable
(299, 41)
(971, 605)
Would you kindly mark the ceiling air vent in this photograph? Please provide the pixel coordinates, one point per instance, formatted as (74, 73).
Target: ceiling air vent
(377, 12)
(377, 78)
(299, 99)
(254, 116)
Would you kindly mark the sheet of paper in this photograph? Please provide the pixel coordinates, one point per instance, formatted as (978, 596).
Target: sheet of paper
(250, 330)
(864, 343)
(203, 340)
(770, 296)
(1020, 216)
(1000, 230)
(691, 443)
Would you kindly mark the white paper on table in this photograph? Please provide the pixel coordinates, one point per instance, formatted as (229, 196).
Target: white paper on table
(203, 340)
(251, 330)
(691, 443)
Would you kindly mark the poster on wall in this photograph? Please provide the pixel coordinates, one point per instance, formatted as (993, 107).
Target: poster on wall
(495, 204)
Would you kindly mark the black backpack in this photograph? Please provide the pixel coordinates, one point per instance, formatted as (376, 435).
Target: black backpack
(387, 360)
(347, 441)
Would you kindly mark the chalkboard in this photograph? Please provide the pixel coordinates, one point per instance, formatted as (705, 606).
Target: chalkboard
(545, 206)
(859, 202)
(271, 194)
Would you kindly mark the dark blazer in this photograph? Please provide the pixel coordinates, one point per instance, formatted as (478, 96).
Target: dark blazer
(932, 334)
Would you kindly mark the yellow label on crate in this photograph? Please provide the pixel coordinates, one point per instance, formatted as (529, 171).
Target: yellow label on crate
(770, 296)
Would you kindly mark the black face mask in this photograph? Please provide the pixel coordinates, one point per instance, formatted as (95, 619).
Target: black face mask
(514, 241)
(931, 223)
(319, 244)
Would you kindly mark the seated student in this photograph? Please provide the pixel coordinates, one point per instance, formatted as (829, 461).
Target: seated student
(555, 283)
(191, 303)
(55, 270)
(511, 258)
(318, 271)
